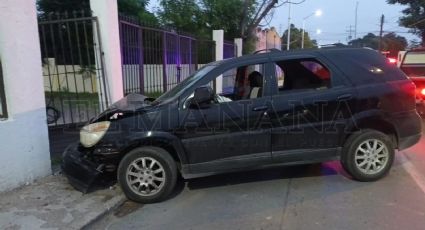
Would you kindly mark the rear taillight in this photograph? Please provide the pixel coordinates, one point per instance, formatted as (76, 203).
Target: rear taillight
(423, 92)
(392, 60)
(408, 87)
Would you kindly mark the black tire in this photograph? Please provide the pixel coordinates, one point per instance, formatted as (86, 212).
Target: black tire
(169, 168)
(349, 163)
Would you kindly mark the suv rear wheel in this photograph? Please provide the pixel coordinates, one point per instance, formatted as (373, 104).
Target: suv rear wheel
(147, 174)
(367, 155)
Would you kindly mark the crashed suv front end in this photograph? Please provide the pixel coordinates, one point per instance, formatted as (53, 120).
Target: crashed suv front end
(93, 161)
(85, 169)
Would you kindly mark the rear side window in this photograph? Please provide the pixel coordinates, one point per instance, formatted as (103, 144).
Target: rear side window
(363, 66)
(302, 74)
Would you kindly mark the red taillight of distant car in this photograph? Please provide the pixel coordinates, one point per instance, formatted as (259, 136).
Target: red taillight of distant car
(423, 92)
(392, 60)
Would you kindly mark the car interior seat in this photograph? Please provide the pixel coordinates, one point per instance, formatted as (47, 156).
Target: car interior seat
(256, 83)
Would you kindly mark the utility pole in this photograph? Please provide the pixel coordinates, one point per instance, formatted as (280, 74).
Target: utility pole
(381, 32)
(350, 33)
(355, 20)
(289, 27)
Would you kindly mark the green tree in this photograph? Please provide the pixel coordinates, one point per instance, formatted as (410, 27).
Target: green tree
(394, 43)
(390, 42)
(369, 40)
(296, 39)
(183, 15)
(238, 18)
(414, 16)
(135, 8)
(46, 7)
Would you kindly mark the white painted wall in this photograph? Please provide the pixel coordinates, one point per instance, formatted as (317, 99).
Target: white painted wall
(24, 144)
(107, 13)
(68, 78)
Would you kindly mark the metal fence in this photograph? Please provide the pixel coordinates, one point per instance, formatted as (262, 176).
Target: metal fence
(72, 66)
(229, 49)
(155, 59)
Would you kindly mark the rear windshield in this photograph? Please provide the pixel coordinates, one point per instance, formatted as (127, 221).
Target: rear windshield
(364, 66)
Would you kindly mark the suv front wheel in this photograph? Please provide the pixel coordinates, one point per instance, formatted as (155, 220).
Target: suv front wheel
(147, 174)
(367, 155)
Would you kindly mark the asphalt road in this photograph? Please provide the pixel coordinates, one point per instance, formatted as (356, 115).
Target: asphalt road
(320, 196)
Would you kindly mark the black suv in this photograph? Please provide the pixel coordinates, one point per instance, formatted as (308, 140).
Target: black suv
(266, 109)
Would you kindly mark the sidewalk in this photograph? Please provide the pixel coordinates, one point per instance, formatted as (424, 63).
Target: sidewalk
(51, 203)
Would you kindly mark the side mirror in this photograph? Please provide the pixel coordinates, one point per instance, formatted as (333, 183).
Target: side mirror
(202, 97)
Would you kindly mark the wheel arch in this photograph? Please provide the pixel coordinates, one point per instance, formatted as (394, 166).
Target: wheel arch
(377, 123)
(166, 141)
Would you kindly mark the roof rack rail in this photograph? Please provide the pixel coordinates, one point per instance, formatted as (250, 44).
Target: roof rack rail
(267, 50)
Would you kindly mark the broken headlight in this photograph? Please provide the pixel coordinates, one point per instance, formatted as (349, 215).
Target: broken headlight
(92, 133)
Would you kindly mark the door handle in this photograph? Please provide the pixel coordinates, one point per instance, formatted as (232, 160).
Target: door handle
(296, 114)
(345, 97)
(260, 108)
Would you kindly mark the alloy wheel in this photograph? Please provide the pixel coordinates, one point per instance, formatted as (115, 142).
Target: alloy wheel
(145, 176)
(371, 156)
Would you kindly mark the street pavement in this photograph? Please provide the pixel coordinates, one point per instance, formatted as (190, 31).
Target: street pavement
(319, 196)
(51, 203)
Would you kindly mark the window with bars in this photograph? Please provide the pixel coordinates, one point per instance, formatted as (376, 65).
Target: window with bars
(3, 108)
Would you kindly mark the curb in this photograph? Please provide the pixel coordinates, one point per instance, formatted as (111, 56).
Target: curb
(115, 203)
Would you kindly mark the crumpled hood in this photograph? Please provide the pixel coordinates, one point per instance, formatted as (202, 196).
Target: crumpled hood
(131, 102)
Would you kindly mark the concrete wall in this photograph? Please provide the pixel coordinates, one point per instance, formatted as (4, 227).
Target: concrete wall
(68, 78)
(24, 152)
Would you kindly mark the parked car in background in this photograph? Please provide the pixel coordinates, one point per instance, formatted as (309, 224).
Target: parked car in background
(412, 63)
(260, 110)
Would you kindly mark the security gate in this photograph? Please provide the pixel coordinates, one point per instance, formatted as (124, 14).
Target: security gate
(72, 67)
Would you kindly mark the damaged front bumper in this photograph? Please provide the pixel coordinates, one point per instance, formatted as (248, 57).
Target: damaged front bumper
(84, 173)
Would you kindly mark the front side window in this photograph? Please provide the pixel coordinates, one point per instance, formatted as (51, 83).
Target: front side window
(186, 83)
(3, 109)
(240, 83)
(235, 84)
(302, 74)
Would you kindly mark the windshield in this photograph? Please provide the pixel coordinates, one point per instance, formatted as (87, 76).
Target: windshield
(189, 81)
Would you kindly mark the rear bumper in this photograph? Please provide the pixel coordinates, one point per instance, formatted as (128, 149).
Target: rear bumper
(406, 142)
(81, 172)
(408, 127)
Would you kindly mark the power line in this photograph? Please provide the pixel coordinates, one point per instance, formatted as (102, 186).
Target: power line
(350, 33)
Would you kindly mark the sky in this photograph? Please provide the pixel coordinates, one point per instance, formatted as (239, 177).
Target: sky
(336, 19)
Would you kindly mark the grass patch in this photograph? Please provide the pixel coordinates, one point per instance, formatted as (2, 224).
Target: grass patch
(83, 96)
(153, 94)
